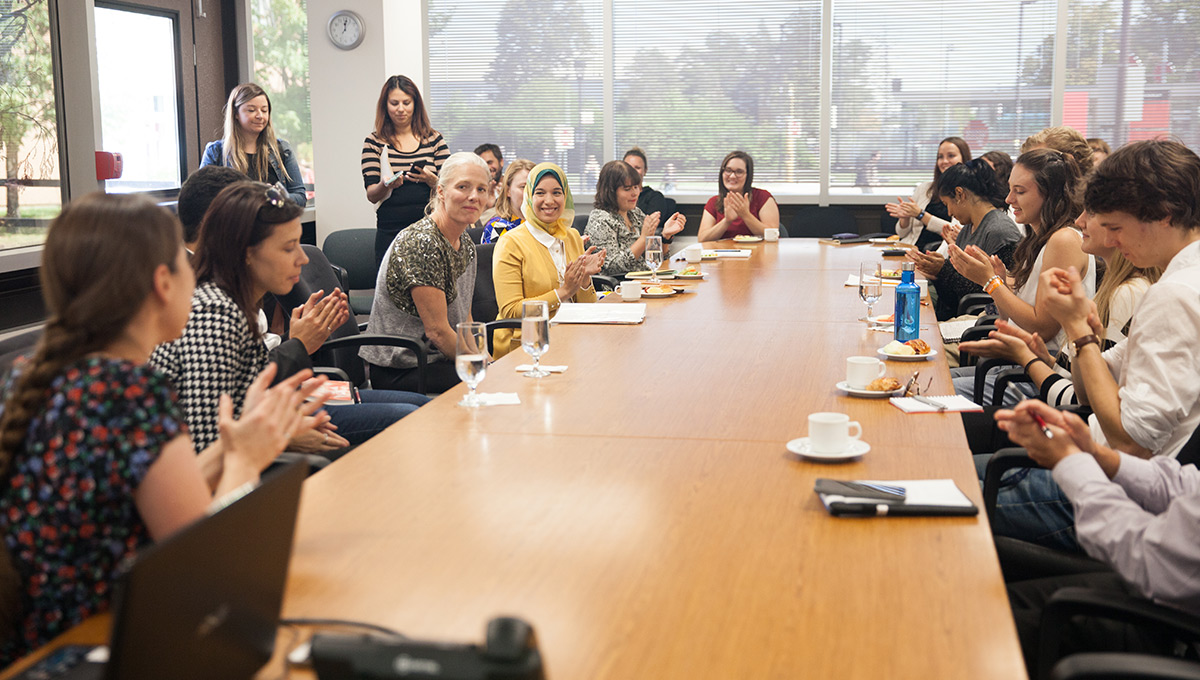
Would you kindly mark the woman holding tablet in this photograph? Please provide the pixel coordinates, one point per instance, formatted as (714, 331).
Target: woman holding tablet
(400, 160)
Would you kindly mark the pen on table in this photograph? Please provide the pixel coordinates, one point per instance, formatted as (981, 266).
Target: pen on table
(1045, 428)
(930, 402)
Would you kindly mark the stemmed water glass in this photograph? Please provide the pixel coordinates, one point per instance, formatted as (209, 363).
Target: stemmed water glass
(535, 334)
(472, 358)
(870, 287)
(654, 257)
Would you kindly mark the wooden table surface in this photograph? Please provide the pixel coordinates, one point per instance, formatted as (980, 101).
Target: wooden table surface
(641, 509)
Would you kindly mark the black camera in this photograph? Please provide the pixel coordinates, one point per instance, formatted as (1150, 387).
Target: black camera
(510, 653)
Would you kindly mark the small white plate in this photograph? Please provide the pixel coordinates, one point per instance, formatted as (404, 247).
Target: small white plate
(747, 239)
(868, 394)
(663, 274)
(709, 256)
(800, 447)
(674, 291)
(906, 357)
(686, 277)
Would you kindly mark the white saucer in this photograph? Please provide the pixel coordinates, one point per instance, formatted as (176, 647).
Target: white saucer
(800, 447)
(868, 394)
(906, 357)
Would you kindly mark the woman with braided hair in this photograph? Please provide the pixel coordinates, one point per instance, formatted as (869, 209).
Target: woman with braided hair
(95, 455)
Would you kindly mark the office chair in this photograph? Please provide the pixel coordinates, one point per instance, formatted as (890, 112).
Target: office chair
(476, 234)
(491, 327)
(973, 303)
(1119, 666)
(354, 251)
(484, 307)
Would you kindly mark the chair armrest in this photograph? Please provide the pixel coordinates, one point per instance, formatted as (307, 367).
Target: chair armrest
(491, 326)
(1118, 666)
(972, 333)
(982, 368)
(987, 320)
(1021, 561)
(1002, 461)
(333, 372)
(1070, 602)
(602, 282)
(1006, 377)
(377, 340)
(362, 327)
(343, 277)
(973, 303)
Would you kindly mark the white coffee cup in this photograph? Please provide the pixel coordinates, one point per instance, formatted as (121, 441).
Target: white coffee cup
(631, 291)
(831, 432)
(693, 253)
(923, 284)
(860, 371)
(771, 234)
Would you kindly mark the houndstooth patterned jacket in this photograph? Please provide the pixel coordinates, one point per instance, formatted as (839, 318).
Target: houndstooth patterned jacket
(217, 354)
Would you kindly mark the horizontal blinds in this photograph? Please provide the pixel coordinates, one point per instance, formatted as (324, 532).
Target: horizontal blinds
(693, 81)
(907, 75)
(1157, 84)
(524, 74)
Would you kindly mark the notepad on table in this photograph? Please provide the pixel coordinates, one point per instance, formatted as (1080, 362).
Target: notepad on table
(921, 497)
(584, 312)
(955, 403)
(952, 330)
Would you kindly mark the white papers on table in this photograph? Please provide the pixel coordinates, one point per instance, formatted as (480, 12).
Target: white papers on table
(498, 398)
(731, 252)
(953, 402)
(852, 281)
(952, 330)
(588, 312)
(529, 367)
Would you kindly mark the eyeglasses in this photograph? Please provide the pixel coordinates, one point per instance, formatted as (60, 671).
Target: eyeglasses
(733, 172)
(276, 195)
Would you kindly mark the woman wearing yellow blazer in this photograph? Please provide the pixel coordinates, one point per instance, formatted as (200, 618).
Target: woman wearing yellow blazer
(544, 258)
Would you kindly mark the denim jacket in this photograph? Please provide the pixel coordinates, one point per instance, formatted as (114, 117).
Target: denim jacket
(214, 155)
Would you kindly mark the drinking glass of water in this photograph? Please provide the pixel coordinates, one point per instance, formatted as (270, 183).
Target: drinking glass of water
(472, 358)
(870, 286)
(535, 334)
(654, 257)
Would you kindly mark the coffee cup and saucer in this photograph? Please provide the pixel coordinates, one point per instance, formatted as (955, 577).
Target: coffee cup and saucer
(831, 437)
(861, 374)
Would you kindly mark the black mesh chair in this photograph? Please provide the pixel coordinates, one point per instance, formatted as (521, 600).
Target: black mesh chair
(491, 327)
(476, 235)
(354, 251)
(1118, 666)
(483, 302)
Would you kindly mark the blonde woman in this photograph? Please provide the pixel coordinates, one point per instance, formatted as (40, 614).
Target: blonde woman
(507, 214)
(250, 145)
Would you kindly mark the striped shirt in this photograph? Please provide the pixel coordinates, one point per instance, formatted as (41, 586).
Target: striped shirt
(407, 201)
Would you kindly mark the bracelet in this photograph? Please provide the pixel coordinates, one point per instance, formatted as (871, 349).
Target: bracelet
(1032, 362)
(992, 284)
(920, 215)
(1085, 341)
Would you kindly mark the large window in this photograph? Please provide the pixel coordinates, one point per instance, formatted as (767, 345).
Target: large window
(140, 95)
(690, 81)
(32, 193)
(527, 75)
(694, 81)
(1153, 92)
(281, 68)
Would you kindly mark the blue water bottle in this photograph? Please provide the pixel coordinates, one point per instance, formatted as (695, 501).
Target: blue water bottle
(908, 304)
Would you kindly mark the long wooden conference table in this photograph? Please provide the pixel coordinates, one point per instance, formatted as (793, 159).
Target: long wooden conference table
(641, 509)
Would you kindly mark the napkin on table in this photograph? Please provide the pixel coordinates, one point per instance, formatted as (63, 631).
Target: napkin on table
(498, 398)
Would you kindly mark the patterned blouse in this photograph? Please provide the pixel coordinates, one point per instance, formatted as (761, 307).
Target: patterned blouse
(420, 256)
(608, 231)
(217, 354)
(497, 227)
(67, 510)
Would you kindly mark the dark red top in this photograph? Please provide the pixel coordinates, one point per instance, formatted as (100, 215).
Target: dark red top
(758, 198)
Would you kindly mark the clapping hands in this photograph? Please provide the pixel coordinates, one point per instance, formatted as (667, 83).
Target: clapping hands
(906, 208)
(736, 205)
(315, 320)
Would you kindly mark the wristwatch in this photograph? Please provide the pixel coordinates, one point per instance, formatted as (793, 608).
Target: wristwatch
(1086, 340)
(920, 215)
